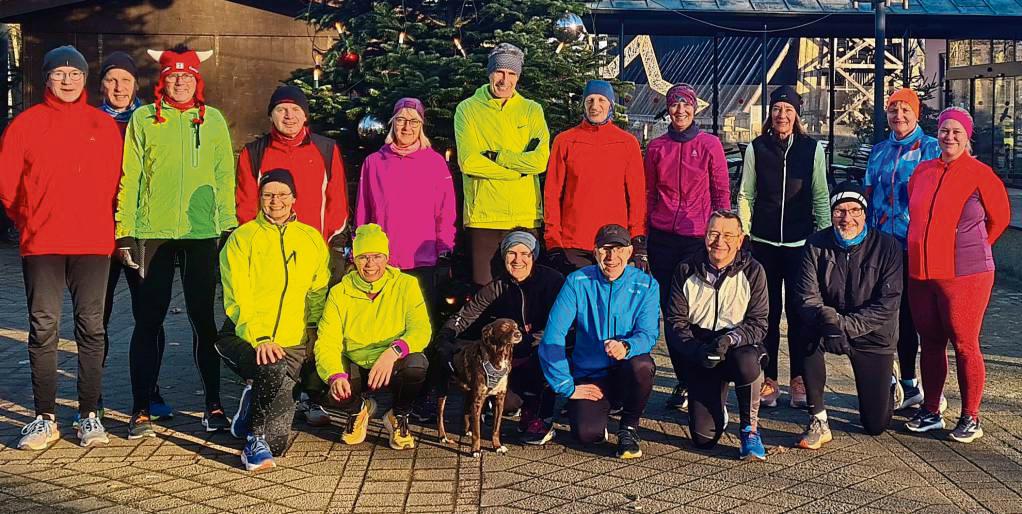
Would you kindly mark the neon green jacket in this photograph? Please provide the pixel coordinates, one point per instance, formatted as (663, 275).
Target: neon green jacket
(504, 193)
(172, 189)
(355, 329)
(275, 280)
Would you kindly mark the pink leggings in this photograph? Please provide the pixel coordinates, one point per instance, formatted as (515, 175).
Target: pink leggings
(951, 309)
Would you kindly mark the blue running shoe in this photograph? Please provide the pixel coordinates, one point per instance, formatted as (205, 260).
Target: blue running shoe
(240, 423)
(158, 408)
(256, 455)
(752, 445)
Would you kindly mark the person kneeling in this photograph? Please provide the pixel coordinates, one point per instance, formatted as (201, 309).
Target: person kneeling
(850, 290)
(372, 333)
(271, 315)
(615, 309)
(717, 318)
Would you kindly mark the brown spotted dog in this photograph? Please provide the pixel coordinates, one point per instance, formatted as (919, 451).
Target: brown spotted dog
(481, 370)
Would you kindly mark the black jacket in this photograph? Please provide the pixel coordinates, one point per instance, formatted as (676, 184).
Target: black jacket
(863, 284)
(783, 211)
(705, 303)
(528, 303)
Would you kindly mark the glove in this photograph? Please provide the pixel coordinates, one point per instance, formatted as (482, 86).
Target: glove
(491, 155)
(715, 351)
(129, 252)
(222, 242)
(557, 259)
(640, 259)
(445, 345)
(833, 340)
(339, 241)
(533, 145)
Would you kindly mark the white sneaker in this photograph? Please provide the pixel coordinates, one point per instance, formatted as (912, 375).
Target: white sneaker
(39, 434)
(91, 431)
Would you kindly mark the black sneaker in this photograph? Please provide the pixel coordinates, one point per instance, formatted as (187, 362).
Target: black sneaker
(214, 418)
(679, 398)
(967, 431)
(140, 425)
(424, 409)
(924, 421)
(628, 443)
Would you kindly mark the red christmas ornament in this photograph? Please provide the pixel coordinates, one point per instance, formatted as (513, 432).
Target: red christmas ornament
(349, 59)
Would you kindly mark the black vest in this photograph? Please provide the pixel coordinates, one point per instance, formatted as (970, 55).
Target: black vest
(783, 211)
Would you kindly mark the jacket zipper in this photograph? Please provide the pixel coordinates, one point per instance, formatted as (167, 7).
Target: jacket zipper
(610, 301)
(522, 292)
(280, 306)
(929, 220)
(894, 175)
(784, 183)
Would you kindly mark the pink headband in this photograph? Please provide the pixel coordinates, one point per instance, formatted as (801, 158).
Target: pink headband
(959, 115)
(681, 93)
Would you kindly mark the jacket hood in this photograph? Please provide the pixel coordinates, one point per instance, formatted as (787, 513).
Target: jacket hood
(914, 136)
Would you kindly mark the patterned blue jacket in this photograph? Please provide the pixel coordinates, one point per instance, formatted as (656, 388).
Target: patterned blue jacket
(890, 166)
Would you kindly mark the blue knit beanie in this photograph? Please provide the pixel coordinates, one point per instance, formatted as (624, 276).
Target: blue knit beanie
(599, 87)
(66, 55)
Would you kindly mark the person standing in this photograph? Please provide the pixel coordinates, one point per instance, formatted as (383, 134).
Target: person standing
(176, 202)
(783, 199)
(503, 146)
(890, 166)
(686, 180)
(959, 208)
(59, 166)
(594, 178)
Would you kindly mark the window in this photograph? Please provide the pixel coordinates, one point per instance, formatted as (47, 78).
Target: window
(980, 51)
(1004, 50)
(958, 53)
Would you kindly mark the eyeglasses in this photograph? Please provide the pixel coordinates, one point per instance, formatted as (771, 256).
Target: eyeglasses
(854, 212)
(74, 75)
(276, 196)
(405, 121)
(183, 78)
(366, 257)
(728, 238)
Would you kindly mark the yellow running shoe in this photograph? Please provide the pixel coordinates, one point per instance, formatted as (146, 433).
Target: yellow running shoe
(355, 432)
(397, 426)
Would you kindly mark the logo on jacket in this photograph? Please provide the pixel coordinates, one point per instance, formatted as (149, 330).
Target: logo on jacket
(694, 153)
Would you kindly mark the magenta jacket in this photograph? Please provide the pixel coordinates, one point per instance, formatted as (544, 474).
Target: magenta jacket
(685, 183)
(412, 198)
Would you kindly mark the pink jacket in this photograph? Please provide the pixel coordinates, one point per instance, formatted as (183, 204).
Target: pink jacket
(685, 183)
(412, 198)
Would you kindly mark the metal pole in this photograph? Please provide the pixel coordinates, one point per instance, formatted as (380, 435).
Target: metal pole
(907, 51)
(833, 93)
(716, 85)
(880, 26)
(763, 72)
(621, 52)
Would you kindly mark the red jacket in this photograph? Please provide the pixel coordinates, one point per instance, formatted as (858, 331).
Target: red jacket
(319, 201)
(594, 177)
(60, 164)
(937, 194)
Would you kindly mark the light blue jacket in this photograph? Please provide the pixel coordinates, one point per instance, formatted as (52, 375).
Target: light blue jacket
(627, 309)
(890, 165)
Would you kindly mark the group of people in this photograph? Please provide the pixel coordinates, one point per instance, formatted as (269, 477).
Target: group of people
(320, 314)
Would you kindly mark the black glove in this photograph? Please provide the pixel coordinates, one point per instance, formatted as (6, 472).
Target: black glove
(557, 259)
(833, 339)
(533, 144)
(639, 256)
(339, 241)
(491, 155)
(716, 350)
(129, 252)
(445, 345)
(442, 270)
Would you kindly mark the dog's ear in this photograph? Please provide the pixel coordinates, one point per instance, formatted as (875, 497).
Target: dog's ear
(488, 332)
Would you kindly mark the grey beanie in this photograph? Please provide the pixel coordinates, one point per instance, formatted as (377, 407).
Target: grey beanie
(520, 237)
(66, 55)
(507, 57)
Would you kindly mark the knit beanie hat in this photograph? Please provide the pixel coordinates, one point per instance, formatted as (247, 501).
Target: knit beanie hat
(520, 237)
(905, 95)
(370, 238)
(682, 93)
(506, 57)
(288, 94)
(118, 60)
(599, 87)
(848, 191)
(958, 114)
(279, 175)
(66, 55)
(180, 60)
(410, 103)
(788, 95)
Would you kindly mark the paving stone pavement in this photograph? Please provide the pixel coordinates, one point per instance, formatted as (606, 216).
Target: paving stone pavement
(187, 470)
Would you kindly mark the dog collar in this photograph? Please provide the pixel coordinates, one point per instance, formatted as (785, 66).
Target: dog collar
(494, 375)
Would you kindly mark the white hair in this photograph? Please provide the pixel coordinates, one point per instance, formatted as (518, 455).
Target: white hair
(423, 140)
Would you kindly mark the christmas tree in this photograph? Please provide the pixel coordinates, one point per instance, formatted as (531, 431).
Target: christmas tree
(436, 50)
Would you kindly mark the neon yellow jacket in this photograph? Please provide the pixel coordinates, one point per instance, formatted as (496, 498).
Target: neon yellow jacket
(171, 188)
(355, 329)
(505, 193)
(275, 280)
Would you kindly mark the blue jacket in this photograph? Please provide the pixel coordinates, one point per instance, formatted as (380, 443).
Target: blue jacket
(627, 309)
(887, 172)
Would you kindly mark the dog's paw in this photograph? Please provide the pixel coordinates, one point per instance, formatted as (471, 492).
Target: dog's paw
(502, 450)
(446, 440)
(468, 433)
(477, 454)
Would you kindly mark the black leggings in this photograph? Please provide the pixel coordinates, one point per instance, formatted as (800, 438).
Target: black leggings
(133, 280)
(872, 384)
(781, 264)
(629, 382)
(407, 379)
(273, 402)
(908, 338)
(666, 251)
(707, 394)
(198, 279)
